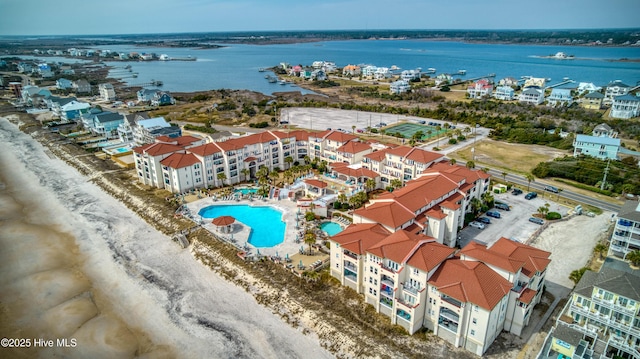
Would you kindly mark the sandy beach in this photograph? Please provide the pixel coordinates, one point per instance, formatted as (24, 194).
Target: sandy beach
(78, 264)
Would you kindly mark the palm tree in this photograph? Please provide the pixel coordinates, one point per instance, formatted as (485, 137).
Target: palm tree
(600, 249)
(310, 239)
(453, 161)
(353, 129)
(543, 210)
(307, 159)
(504, 176)
(577, 274)
(395, 183)
(221, 176)
(370, 184)
(274, 176)
(634, 258)
(475, 205)
(438, 129)
(471, 164)
(342, 198)
(245, 172)
(288, 160)
(530, 179)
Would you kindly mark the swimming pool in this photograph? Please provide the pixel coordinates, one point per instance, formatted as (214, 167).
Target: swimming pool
(246, 190)
(267, 227)
(331, 228)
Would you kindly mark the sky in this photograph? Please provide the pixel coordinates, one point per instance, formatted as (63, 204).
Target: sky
(88, 17)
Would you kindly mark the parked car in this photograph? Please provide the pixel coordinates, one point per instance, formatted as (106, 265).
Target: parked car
(516, 191)
(551, 189)
(531, 195)
(422, 122)
(360, 130)
(502, 206)
(493, 214)
(484, 220)
(477, 225)
(536, 220)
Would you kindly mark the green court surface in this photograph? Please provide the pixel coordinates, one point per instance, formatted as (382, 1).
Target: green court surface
(408, 129)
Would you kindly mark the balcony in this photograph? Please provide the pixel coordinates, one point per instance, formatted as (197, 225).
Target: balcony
(386, 302)
(520, 287)
(387, 268)
(622, 343)
(403, 315)
(409, 288)
(448, 320)
(349, 266)
(350, 276)
(350, 254)
(605, 320)
(451, 301)
(624, 223)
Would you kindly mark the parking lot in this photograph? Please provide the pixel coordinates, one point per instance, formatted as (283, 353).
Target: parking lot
(513, 224)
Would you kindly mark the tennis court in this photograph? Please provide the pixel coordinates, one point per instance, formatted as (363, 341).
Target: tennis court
(408, 129)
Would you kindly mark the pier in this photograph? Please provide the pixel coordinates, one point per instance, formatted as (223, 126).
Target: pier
(489, 76)
(564, 82)
(152, 83)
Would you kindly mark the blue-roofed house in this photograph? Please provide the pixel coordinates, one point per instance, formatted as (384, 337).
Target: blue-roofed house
(73, 110)
(64, 84)
(146, 131)
(625, 107)
(504, 93)
(560, 97)
(102, 123)
(599, 147)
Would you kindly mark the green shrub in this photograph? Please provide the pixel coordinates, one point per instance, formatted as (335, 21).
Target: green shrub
(553, 215)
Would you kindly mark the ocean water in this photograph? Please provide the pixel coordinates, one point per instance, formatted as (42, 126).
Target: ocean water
(236, 66)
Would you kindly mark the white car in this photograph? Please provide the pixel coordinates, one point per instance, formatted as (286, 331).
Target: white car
(477, 225)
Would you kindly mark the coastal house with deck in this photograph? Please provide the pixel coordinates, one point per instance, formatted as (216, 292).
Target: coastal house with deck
(532, 95)
(560, 97)
(601, 318)
(480, 89)
(351, 70)
(82, 86)
(145, 130)
(102, 123)
(626, 233)
(599, 147)
(613, 89)
(399, 86)
(107, 92)
(592, 101)
(506, 93)
(64, 84)
(625, 107)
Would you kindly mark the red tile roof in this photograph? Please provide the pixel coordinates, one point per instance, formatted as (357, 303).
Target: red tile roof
(376, 156)
(472, 282)
(158, 149)
(430, 255)
(315, 183)
(344, 168)
(357, 238)
(206, 150)
(414, 153)
(480, 252)
(390, 214)
(527, 296)
(180, 160)
(180, 141)
(397, 246)
(535, 260)
(421, 192)
(354, 147)
(471, 175)
(436, 212)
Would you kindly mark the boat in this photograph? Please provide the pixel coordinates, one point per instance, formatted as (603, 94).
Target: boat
(262, 69)
(283, 82)
(271, 79)
(430, 70)
(164, 57)
(462, 72)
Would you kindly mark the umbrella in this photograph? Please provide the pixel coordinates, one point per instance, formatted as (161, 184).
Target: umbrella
(223, 220)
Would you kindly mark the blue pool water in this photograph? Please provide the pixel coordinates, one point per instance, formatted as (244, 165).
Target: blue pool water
(331, 228)
(246, 190)
(267, 227)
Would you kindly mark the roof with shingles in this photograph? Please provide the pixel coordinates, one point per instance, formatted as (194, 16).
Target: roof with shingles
(206, 149)
(391, 214)
(470, 281)
(630, 210)
(480, 252)
(397, 246)
(430, 255)
(157, 149)
(421, 192)
(535, 260)
(611, 280)
(354, 147)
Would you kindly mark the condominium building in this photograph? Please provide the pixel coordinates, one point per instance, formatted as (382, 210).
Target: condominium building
(466, 299)
(626, 233)
(601, 318)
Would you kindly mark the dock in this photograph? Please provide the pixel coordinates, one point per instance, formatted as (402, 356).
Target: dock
(152, 83)
(564, 82)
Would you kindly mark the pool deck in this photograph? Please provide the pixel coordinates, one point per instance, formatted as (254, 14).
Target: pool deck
(240, 232)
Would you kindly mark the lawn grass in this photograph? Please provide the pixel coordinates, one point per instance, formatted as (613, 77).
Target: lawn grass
(512, 157)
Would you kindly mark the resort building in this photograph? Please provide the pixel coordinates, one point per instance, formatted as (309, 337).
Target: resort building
(400, 162)
(615, 88)
(418, 282)
(592, 101)
(480, 89)
(560, 97)
(626, 234)
(599, 147)
(601, 318)
(625, 107)
(178, 172)
(504, 93)
(400, 86)
(107, 92)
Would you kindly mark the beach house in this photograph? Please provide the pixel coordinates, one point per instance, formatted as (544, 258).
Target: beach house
(82, 86)
(351, 70)
(626, 233)
(480, 89)
(107, 92)
(560, 97)
(625, 107)
(592, 101)
(599, 147)
(613, 89)
(73, 110)
(504, 93)
(146, 130)
(532, 95)
(399, 86)
(601, 318)
(64, 84)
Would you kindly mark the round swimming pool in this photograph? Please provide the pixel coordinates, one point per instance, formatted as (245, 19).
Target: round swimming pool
(267, 227)
(331, 228)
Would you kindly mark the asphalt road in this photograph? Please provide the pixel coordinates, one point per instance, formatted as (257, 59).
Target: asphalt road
(539, 187)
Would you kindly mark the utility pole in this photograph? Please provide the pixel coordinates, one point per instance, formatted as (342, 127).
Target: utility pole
(604, 178)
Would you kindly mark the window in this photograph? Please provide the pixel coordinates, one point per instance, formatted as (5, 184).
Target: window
(475, 307)
(475, 321)
(473, 332)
